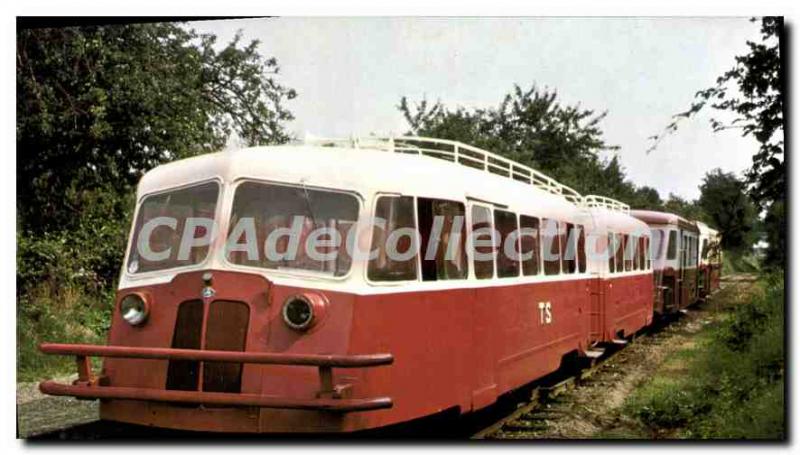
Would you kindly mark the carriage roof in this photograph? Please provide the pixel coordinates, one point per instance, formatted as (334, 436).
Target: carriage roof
(413, 166)
(362, 170)
(665, 218)
(706, 230)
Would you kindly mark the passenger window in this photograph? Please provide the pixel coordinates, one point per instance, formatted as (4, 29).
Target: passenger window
(643, 258)
(610, 251)
(672, 247)
(507, 261)
(316, 222)
(442, 235)
(397, 236)
(482, 239)
(619, 253)
(529, 244)
(569, 240)
(581, 249)
(552, 247)
(658, 244)
(628, 248)
(635, 250)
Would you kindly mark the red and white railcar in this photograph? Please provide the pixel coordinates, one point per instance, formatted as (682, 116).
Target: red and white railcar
(220, 334)
(674, 254)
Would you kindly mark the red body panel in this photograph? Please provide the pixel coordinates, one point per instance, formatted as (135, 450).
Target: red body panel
(451, 348)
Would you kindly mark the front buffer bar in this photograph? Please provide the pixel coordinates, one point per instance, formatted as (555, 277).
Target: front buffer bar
(328, 398)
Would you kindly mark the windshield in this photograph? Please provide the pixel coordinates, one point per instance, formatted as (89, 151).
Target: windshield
(173, 228)
(291, 227)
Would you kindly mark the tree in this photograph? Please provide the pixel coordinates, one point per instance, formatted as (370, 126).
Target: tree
(648, 198)
(529, 126)
(97, 106)
(753, 91)
(533, 128)
(724, 200)
(687, 209)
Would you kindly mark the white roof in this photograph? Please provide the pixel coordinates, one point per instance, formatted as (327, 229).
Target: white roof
(361, 170)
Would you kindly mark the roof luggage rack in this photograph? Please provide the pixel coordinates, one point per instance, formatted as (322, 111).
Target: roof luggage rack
(459, 153)
(594, 201)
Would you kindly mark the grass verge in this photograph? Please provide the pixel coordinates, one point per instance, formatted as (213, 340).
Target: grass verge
(729, 382)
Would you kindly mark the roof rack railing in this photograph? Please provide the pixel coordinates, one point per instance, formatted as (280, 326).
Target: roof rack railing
(459, 153)
(595, 201)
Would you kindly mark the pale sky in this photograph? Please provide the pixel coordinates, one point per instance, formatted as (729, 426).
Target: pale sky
(350, 74)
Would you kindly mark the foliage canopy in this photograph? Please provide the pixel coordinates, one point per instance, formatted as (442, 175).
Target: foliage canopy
(97, 106)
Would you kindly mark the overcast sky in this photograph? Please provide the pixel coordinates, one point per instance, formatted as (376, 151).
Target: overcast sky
(351, 72)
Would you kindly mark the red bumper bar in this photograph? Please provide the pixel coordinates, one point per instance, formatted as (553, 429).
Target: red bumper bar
(131, 352)
(225, 399)
(88, 387)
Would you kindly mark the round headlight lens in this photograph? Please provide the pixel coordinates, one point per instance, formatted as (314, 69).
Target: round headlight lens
(133, 309)
(298, 313)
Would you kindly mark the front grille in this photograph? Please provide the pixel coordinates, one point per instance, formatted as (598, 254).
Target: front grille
(184, 374)
(226, 330)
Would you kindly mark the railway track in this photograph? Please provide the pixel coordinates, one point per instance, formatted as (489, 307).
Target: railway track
(535, 414)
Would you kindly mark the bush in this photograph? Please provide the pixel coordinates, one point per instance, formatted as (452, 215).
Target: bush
(733, 387)
(664, 404)
(61, 314)
(66, 282)
(739, 262)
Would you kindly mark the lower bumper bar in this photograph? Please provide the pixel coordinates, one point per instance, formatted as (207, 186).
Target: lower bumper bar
(214, 398)
(329, 396)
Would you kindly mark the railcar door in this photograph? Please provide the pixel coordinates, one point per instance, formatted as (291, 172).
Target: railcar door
(683, 263)
(484, 313)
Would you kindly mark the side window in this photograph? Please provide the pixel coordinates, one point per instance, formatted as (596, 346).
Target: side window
(635, 252)
(397, 236)
(628, 249)
(672, 246)
(529, 244)
(443, 237)
(658, 244)
(506, 259)
(619, 252)
(552, 247)
(581, 249)
(610, 249)
(482, 239)
(569, 240)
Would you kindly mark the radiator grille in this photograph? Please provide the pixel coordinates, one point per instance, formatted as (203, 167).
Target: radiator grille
(226, 330)
(184, 374)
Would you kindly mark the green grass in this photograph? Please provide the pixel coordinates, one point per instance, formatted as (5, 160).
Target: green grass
(731, 379)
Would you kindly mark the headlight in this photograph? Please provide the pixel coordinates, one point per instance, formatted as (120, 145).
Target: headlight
(303, 311)
(133, 309)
